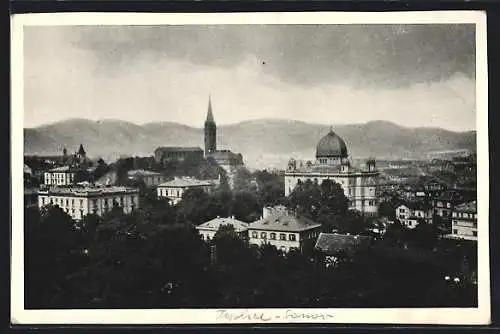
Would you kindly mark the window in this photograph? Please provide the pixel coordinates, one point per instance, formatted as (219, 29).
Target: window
(81, 202)
(291, 237)
(282, 236)
(67, 202)
(43, 200)
(263, 235)
(474, 225)
(255, 235)
(455, 231)
(401, 210)
(72, 201)
(409, 223)
(474, 233)
(272, 236)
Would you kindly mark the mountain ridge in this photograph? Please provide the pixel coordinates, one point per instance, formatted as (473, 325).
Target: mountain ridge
(263, 142)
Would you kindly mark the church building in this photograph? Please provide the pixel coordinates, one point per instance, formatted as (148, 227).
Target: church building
(225, 158)
(332, 163)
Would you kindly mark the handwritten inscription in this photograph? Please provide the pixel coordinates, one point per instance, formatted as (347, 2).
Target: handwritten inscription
(260, 316)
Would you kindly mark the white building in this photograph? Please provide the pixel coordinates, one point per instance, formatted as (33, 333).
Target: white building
(61, 176)
(464, 221)
(174, 189)
(149, 178)
(283, 230)
(208, 230)
(409, 214)
(80, 201)
(332, 163)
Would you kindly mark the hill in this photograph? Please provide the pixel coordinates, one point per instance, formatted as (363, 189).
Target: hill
(264, 143)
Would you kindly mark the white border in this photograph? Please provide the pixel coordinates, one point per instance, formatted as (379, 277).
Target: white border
(451, 316)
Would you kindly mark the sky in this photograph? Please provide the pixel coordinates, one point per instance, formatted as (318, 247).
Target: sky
(412, 75)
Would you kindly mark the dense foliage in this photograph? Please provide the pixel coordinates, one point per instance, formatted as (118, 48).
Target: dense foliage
(154, 257)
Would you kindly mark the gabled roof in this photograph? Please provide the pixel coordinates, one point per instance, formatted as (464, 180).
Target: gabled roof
(186, 182)
(333, 243)
(81, 151)
(214, 224)
(284, 222)
(142, 172)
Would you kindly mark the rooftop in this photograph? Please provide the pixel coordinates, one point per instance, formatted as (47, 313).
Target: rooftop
(179, 149)
(186, 182)
(467, 207)
(333, 243)
(417, 205)
(63, 169)
(284, 222)
(142, 172)
(215, 223)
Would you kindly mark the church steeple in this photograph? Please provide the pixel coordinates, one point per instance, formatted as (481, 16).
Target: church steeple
(210, 116)
(210, 130)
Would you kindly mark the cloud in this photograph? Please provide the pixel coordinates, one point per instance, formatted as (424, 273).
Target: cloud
(69, 74)
(375, 55)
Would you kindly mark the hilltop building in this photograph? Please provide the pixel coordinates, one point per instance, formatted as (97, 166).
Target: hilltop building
(79, 201)
(165, 154)
(282, 229)
(332, 163)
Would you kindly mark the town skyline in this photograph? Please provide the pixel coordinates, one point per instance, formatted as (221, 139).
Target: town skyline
(323, 74)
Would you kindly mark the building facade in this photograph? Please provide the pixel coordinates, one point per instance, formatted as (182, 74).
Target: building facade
(411, 214)
(208, 230)
(149, 178)
(166, 154)
(63, 176)
(282, 229)
(173, 190)
(464, 221)
(360, 185)
(81, 201)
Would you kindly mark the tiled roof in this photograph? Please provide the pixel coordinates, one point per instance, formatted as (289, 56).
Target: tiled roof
(284, 222)
(333, 243)
(450, 196)
(417, 205)
(179, 149)
(63, 169)
(142, 172)
(215, 223)
(467, 207)
(186, 182)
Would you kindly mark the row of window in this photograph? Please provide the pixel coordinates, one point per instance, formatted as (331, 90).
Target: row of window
(169, 192)
(474, 224)
(465, 215)
(474, 233)
(272, 236)
(67, 201)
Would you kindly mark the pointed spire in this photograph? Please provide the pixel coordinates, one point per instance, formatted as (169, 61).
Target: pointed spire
(81, 151)
(210, 116)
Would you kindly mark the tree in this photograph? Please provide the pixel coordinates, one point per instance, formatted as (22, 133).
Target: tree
(243, 180)
(245, 206)
(230, 247)
(53, 249)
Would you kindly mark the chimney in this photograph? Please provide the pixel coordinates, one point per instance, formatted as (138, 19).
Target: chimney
(266, 211)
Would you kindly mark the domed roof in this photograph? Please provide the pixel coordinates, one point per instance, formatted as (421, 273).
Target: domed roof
(331, 145)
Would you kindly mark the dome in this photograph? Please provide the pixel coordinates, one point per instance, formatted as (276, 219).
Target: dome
(331, 145)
